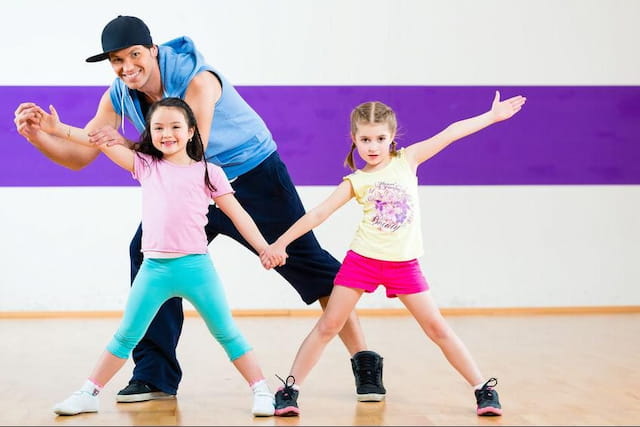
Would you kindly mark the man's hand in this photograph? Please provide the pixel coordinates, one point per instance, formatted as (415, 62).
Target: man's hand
(27, 120)
(107, 136)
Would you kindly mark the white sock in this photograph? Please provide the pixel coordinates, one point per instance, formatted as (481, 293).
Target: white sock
(479, 386)
(90, 387)
(260, 386)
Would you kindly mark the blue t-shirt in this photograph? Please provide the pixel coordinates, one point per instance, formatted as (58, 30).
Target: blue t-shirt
(239, 139)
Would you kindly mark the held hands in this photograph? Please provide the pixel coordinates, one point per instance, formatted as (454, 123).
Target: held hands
(503, 110)
(273, 255)
(48, 122)
(27, 120)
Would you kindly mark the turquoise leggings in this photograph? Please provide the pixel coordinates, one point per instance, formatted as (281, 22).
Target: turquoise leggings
(192, 277)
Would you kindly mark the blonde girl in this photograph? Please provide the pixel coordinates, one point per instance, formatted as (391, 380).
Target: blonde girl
(386, 246)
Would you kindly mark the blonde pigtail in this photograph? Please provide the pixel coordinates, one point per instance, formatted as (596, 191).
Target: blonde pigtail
(349, 161)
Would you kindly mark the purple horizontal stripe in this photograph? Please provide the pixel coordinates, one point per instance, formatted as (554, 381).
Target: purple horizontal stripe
(563, 135)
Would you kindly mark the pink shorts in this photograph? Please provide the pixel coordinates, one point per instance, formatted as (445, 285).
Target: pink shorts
(398, 277)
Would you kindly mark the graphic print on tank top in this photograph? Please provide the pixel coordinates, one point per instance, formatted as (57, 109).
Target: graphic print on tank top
(393, 207)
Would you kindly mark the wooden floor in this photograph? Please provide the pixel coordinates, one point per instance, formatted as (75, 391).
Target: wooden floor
(552, 370)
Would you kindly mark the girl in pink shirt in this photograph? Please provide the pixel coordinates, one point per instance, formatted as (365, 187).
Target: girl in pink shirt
(177, 188)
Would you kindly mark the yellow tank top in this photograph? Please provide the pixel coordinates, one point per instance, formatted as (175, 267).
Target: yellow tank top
(390, 228)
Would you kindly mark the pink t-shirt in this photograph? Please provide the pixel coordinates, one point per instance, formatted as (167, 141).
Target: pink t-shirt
(175, 202)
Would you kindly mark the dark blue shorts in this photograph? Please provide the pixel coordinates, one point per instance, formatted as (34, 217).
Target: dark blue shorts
(269, 196)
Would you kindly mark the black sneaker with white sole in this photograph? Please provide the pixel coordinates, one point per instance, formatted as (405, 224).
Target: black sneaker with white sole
(138, 391)
(367, 370)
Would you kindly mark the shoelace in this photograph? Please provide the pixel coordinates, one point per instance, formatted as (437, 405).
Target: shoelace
(486, 392)
(287, 391)
(367, 371)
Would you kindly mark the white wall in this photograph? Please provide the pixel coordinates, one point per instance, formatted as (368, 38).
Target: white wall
(496, 246)
(360, 42)
(485, 247)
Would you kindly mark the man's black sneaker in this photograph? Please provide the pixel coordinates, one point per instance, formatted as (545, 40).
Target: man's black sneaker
(287, 399)
(138, 391)
(367, 369)
(487, 399)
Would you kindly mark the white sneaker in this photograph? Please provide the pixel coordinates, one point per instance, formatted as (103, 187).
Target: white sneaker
(263, 404)
(78, 402)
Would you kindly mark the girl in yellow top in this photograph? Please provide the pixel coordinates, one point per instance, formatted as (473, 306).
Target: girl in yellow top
(385, 248)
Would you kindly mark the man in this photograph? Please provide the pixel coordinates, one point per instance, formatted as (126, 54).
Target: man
(236, 139)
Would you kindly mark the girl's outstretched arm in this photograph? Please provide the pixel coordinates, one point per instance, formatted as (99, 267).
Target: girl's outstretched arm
(97, 132)
(245, 225)
(316, 216)
(121, 155)
(50, 123)
(57, 149)
(500, 110)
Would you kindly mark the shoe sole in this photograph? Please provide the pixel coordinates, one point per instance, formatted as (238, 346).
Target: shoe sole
(489, 412)
(143, 397)
(289, 411)
(263, 414)
(69, 413)
(370, 397)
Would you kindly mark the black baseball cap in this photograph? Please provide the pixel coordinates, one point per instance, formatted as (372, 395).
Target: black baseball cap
(121, 33)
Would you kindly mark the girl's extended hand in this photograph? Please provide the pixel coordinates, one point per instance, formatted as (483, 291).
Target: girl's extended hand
(273, 256)
(47, 122)
(503, 110)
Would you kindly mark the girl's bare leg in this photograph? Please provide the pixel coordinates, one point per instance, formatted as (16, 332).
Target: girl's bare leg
(425, 311)
(248, 366)
(351, 333)
(107, 366)
(339, 308)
